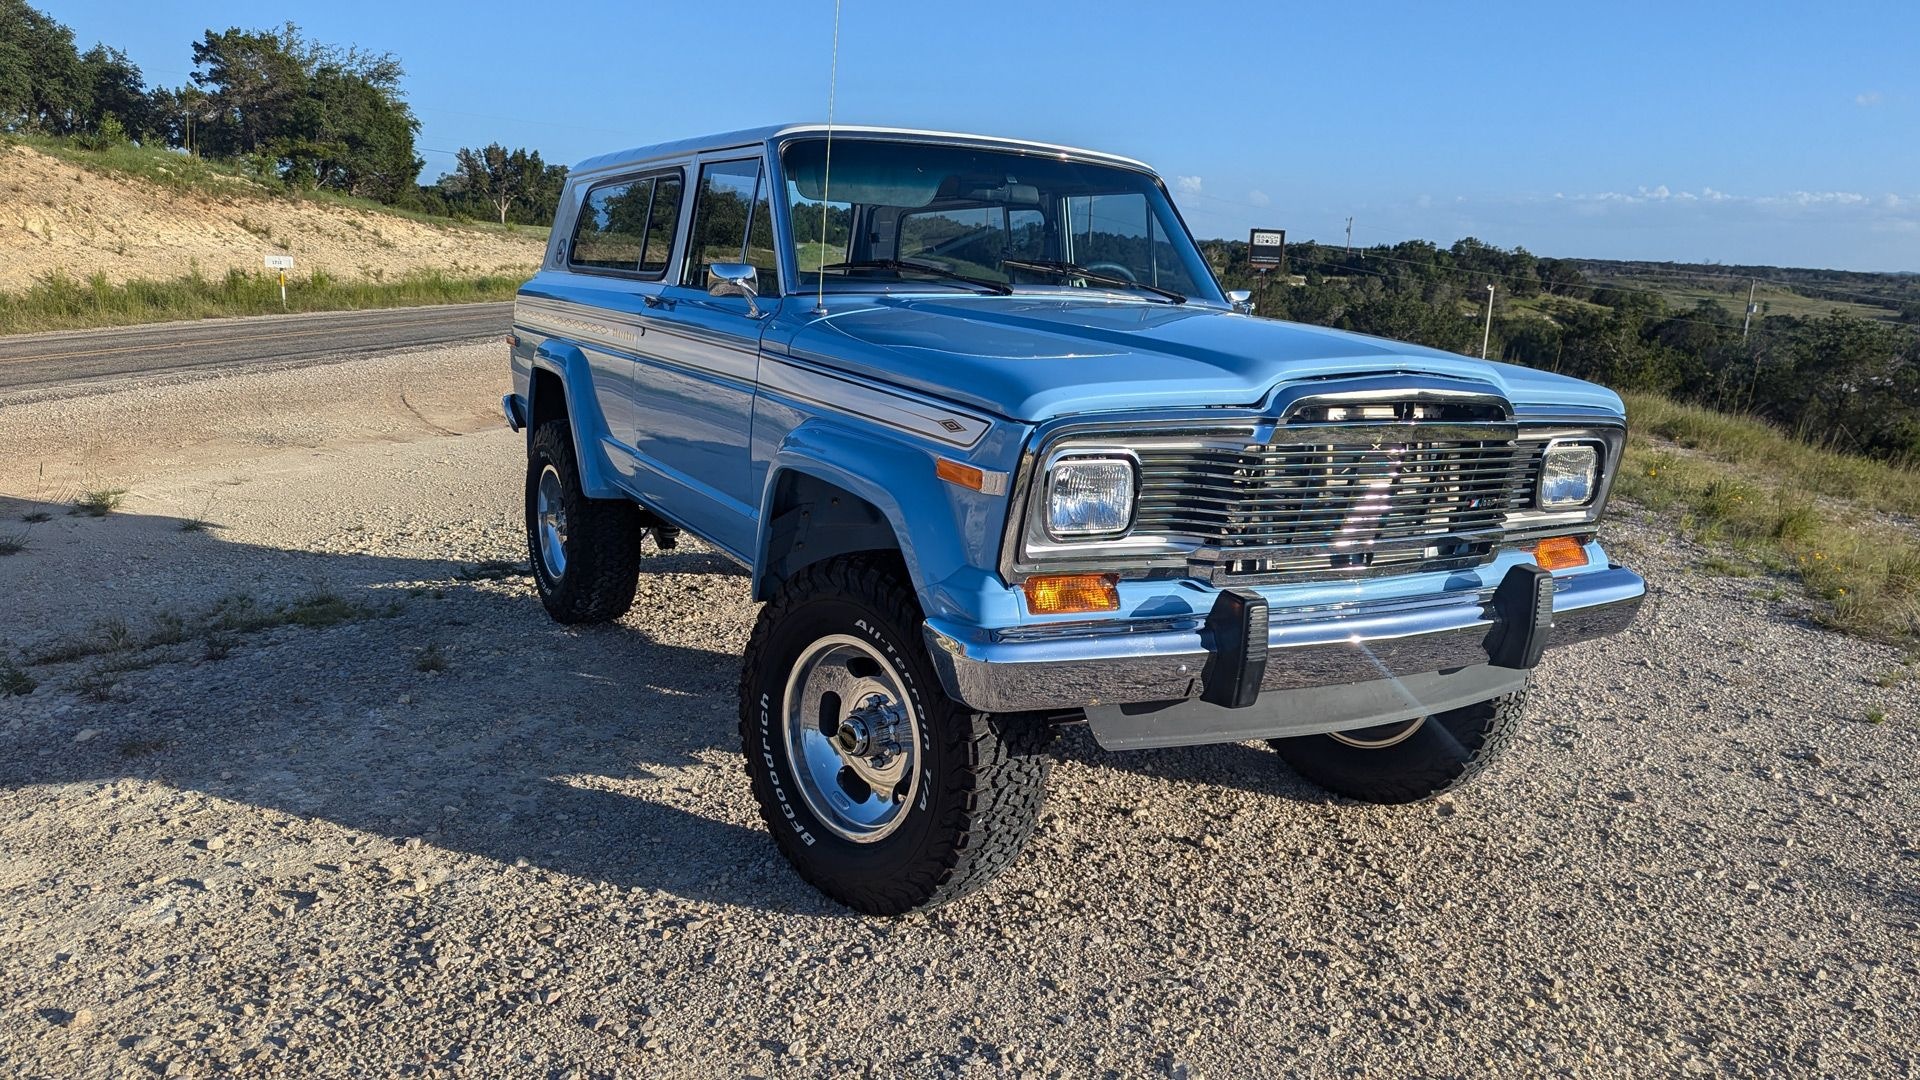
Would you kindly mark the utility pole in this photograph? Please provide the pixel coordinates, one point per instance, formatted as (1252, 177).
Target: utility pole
(1349, 236)
(1752, 284)
(1487, 334)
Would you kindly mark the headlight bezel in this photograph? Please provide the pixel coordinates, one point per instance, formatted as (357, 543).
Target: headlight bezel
(1105, 457)
(1596, 472)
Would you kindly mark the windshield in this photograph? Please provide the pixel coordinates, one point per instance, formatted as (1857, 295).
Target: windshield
(920, 215)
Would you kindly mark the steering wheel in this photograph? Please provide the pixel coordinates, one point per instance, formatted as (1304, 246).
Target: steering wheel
(1115, 270)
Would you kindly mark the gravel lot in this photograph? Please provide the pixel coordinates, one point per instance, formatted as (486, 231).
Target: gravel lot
(318, 790)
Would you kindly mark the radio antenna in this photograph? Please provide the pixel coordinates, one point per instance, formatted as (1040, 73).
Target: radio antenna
(826, 172)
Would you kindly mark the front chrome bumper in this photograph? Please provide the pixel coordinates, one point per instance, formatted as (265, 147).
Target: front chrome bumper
(1052, 669)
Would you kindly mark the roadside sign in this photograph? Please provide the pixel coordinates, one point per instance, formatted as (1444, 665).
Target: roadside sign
(282, 263)
(1267, 247)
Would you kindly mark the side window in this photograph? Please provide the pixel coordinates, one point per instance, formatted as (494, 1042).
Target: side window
(612, 221)
(731, 225)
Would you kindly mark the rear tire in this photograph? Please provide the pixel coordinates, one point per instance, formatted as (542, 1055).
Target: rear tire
(1411, 760)
(585, 552)
(884, 793)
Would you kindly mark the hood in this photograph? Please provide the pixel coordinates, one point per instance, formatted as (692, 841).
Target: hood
(1036, 358)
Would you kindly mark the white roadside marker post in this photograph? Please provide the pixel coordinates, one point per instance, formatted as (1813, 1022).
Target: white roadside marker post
(282, 263)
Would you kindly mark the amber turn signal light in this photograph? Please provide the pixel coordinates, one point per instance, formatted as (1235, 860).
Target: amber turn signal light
(1560, 553)
(955, 473)
(1065, 594)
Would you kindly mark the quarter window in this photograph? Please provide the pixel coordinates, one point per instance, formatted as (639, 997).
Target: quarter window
(628, 225)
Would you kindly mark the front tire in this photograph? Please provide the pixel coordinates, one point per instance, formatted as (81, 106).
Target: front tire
(585, 552)
(883, 792)
(1410, 760)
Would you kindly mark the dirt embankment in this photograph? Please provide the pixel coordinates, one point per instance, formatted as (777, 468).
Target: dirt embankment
(56, 217)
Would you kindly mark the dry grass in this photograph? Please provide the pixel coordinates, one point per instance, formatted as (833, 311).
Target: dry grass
(1776, 506)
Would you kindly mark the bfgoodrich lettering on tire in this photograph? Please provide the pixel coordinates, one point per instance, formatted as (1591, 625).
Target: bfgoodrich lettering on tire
(882, 792)
(1407, 761)
(585, 552)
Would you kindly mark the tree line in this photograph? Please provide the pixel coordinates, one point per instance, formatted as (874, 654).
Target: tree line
(1835, 379)
(276, 103)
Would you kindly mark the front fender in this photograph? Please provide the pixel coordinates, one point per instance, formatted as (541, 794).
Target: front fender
(934, 522)
(564, 360)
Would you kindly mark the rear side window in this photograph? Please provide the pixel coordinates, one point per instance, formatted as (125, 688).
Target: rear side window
(628, 225)
(733, 223)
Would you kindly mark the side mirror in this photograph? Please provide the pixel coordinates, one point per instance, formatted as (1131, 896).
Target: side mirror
(735, 279)
(1242, 301)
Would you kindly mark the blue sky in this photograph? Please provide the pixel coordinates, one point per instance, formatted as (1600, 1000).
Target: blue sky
(1750, 132)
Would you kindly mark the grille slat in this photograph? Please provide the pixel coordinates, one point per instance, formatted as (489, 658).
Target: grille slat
(1340, 504)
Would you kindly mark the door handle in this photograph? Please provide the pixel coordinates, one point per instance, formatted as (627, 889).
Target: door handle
(657, 302)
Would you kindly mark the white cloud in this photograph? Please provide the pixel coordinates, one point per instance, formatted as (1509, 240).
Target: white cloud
(1187, 185)
(1867, 99)
(1259, 198)
(1663, 194)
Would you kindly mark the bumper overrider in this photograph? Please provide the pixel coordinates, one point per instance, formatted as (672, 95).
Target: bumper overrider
(1243, 671)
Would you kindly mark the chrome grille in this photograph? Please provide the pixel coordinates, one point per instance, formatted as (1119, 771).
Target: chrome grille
(1350, 504)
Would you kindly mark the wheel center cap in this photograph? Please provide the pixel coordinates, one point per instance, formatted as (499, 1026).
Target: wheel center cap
(852, 736)
(871, 731)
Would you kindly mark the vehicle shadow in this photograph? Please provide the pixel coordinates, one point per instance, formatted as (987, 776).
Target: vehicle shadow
(400, 697)
(424, 698)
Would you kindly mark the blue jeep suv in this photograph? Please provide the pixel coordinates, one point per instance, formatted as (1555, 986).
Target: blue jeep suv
(1001, 456)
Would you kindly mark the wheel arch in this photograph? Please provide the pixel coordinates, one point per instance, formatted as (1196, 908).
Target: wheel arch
(814, 513)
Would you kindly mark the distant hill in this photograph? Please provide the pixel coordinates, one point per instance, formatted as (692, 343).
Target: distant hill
(131, 213)
(1779, 290)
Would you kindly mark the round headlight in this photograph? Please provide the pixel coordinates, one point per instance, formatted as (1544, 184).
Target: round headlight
(1089, 497)
(1569, 475)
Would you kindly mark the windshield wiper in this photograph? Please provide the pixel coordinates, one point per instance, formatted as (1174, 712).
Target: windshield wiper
(994, 287)
(1067, 269)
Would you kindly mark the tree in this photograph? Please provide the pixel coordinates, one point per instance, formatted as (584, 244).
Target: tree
(322, 115)
(256, 86)
(496, 175)
(42, 87)
(115, 89)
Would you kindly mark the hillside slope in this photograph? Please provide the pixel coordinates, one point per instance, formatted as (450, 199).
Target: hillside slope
(57, 216)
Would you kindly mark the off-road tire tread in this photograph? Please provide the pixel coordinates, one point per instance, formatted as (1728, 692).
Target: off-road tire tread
(603, 545)
(998, 791)
(1481, 731)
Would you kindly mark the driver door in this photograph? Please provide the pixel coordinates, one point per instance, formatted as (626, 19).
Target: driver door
(693, 400)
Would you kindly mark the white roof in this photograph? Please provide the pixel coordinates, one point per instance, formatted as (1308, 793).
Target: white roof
(761, 135)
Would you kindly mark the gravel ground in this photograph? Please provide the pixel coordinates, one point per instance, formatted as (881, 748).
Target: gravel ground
(317, 789)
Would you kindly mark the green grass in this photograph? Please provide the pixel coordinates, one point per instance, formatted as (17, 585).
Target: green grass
(100, 502)
(14, 681)
(431, 659)
(1747, 489)
(58, 302)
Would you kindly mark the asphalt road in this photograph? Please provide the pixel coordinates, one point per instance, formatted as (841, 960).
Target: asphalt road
(67, 358)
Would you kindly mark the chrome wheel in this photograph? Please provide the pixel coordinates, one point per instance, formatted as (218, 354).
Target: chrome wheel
(1380, 737)
(852, 738)
(550, 518)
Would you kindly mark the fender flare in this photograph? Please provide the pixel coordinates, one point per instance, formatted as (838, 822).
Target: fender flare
(564, 360)
(894, 475)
